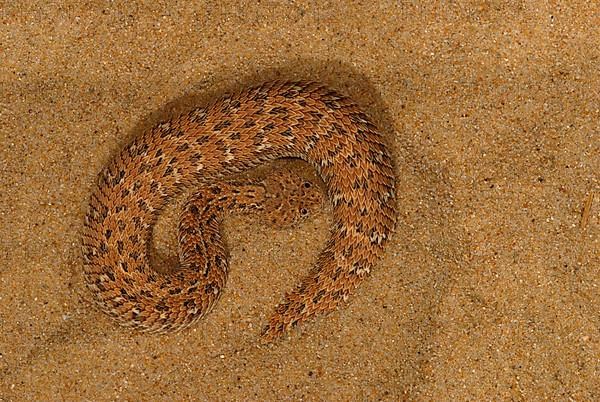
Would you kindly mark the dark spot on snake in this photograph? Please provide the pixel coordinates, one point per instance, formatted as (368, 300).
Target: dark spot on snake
(103, 248)
(125, 192)
(278, 110)
(190, 303)
(290, 93)
(142, 205)
(192, 289)
(153, 186)
(375, 157)
(235, 136)
(137, 221)
(103, 212)
(258, 139)
(260, 95)
(336, 273)
(110, 275)
(288, 133)
(339, 295)
(358, 117)
(215, 189)
(174, 291)
(360, 264)
(221, 146)
(362, 135)
(222, 124)
(198, 116)
(145, 167)
(159, 152)
(233, 150)
(318, 296)
(198, 249)
(208, 289)
(249, 123)
(190, 230)
(269, 127)
(108, 233)
(161, 306)
(202, 139)
(207, 267)
(120, 246)
(137, 149)
(183, 147)
(117, 179)
(364, 212)
(302, 287)
(165, 130)
(134, 255)
(359, 227)
(136, 186)
(195, 158)
(331, 100)
(351, 162)
(375, 237)
(194, 210)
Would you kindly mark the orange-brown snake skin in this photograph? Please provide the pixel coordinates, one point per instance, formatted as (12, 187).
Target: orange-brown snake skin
(203, 147)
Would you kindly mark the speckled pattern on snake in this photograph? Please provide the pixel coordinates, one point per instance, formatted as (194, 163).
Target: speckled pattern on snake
(205, 146)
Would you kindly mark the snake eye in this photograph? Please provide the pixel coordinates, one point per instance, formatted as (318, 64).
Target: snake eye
(307, 184)
(303, 211)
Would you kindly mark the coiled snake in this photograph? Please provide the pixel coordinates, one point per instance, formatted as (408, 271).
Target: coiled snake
(201, 148)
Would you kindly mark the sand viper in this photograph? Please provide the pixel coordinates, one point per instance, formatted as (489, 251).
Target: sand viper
(201, 149)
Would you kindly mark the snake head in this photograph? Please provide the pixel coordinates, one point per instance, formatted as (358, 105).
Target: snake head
(290, 198)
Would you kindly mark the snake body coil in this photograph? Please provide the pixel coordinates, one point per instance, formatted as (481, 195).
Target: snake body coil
(236, 133)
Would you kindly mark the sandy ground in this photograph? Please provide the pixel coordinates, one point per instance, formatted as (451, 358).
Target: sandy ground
(491, 286)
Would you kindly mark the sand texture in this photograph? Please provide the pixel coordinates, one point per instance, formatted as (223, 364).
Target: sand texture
(490, 287)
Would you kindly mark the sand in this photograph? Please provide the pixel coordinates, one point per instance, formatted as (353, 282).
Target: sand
(491, 285)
